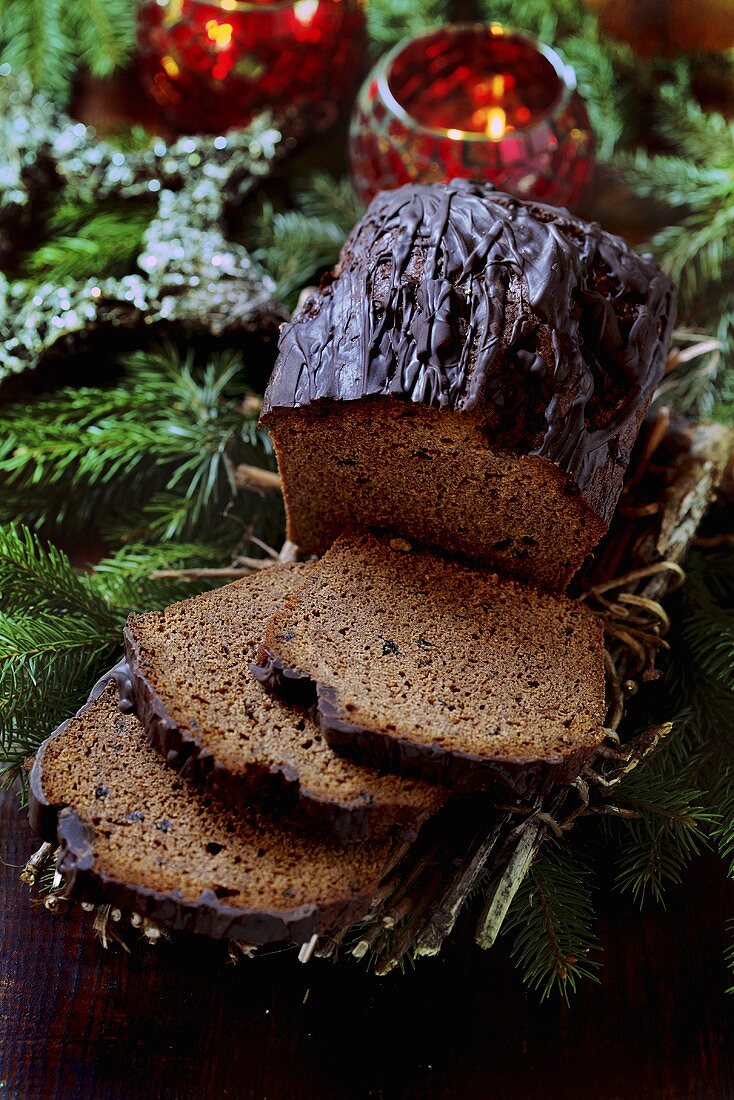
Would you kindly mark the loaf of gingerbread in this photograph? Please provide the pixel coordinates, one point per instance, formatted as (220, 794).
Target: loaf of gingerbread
(473, 376)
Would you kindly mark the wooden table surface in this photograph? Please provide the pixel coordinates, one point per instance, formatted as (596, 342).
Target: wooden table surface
(176, 1021)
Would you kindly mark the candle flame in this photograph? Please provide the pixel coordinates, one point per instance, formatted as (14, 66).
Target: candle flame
(304, 11)
(498, 85)
(170, 67)
(219, 33)
(496, 123)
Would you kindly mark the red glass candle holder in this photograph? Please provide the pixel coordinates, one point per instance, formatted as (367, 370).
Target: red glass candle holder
(473, 101)
(214, 64)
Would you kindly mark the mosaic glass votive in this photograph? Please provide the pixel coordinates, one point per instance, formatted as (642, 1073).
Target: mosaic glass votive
(473, 101)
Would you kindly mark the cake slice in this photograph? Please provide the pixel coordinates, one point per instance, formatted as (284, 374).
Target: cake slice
(194, 693)
(134, 835)
(433, 668)
(472, 376)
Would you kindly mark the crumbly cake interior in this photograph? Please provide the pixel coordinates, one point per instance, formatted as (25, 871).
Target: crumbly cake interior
(196, 655)
(431, 476)
(155, 831)
(440, 654)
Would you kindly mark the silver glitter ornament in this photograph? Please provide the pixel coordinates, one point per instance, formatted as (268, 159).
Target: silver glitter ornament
(190, 276)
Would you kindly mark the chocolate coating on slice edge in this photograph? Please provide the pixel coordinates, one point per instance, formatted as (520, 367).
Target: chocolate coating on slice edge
(459, 771)
(276, 787)
(207, 916)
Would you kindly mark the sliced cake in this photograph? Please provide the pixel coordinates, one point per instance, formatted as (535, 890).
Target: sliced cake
(133, 834)
(473, 376)
(194, 693)
(430, 667)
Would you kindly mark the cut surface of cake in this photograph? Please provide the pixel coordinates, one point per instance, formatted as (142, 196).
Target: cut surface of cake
(472, 376)
(202, 708)
(430, 667)
(135, 835)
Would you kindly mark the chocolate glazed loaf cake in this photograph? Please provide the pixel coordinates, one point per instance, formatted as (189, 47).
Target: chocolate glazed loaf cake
(133, 834)
(189, 669)
(473, 375)
(433, 668)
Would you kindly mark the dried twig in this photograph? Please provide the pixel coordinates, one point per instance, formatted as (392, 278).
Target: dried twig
(256, 479)
(36, 864)
(228, 572)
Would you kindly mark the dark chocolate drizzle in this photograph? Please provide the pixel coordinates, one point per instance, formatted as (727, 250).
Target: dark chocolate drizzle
(122, 678)
(459, 297)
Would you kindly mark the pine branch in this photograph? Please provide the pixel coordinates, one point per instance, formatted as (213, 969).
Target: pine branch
(389, 21)
(294, 248)
(35, 576)
(50, 38)
(661, 841)
(55, 630)
(551, 920)
(104, 31)
(296, 244)
(694, 132)
(61, 628)
(87, 240)
(329, 199)
(691, 386)
(34, 36)
(729, 955)
(549, 20)
(702, 673)
(128, 578)
(159, 447)
(695, 185)
(684, 794)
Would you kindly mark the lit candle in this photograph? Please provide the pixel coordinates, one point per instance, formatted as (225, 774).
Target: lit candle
(470, 100)
(496, 123)
(214, 64)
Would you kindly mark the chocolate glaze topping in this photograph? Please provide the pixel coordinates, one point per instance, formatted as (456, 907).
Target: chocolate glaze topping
(551, 331)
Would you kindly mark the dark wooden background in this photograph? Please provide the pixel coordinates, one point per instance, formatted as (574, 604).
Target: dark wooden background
(176, 1021)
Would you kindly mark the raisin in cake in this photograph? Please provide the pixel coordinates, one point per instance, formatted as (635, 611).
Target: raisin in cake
(430, 667)
(473, 376)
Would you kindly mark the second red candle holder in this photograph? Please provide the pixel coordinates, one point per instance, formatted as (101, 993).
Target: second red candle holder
(473, 101)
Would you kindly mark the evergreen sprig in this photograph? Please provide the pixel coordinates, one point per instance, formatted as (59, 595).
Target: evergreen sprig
(51, 38)
(389, 21)
(157, 448)
(668, 831)
(681, 797)
(295, 248)
(693, 184)
(295, 245)
(551, 920)
(84, 240)
(60, 628)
